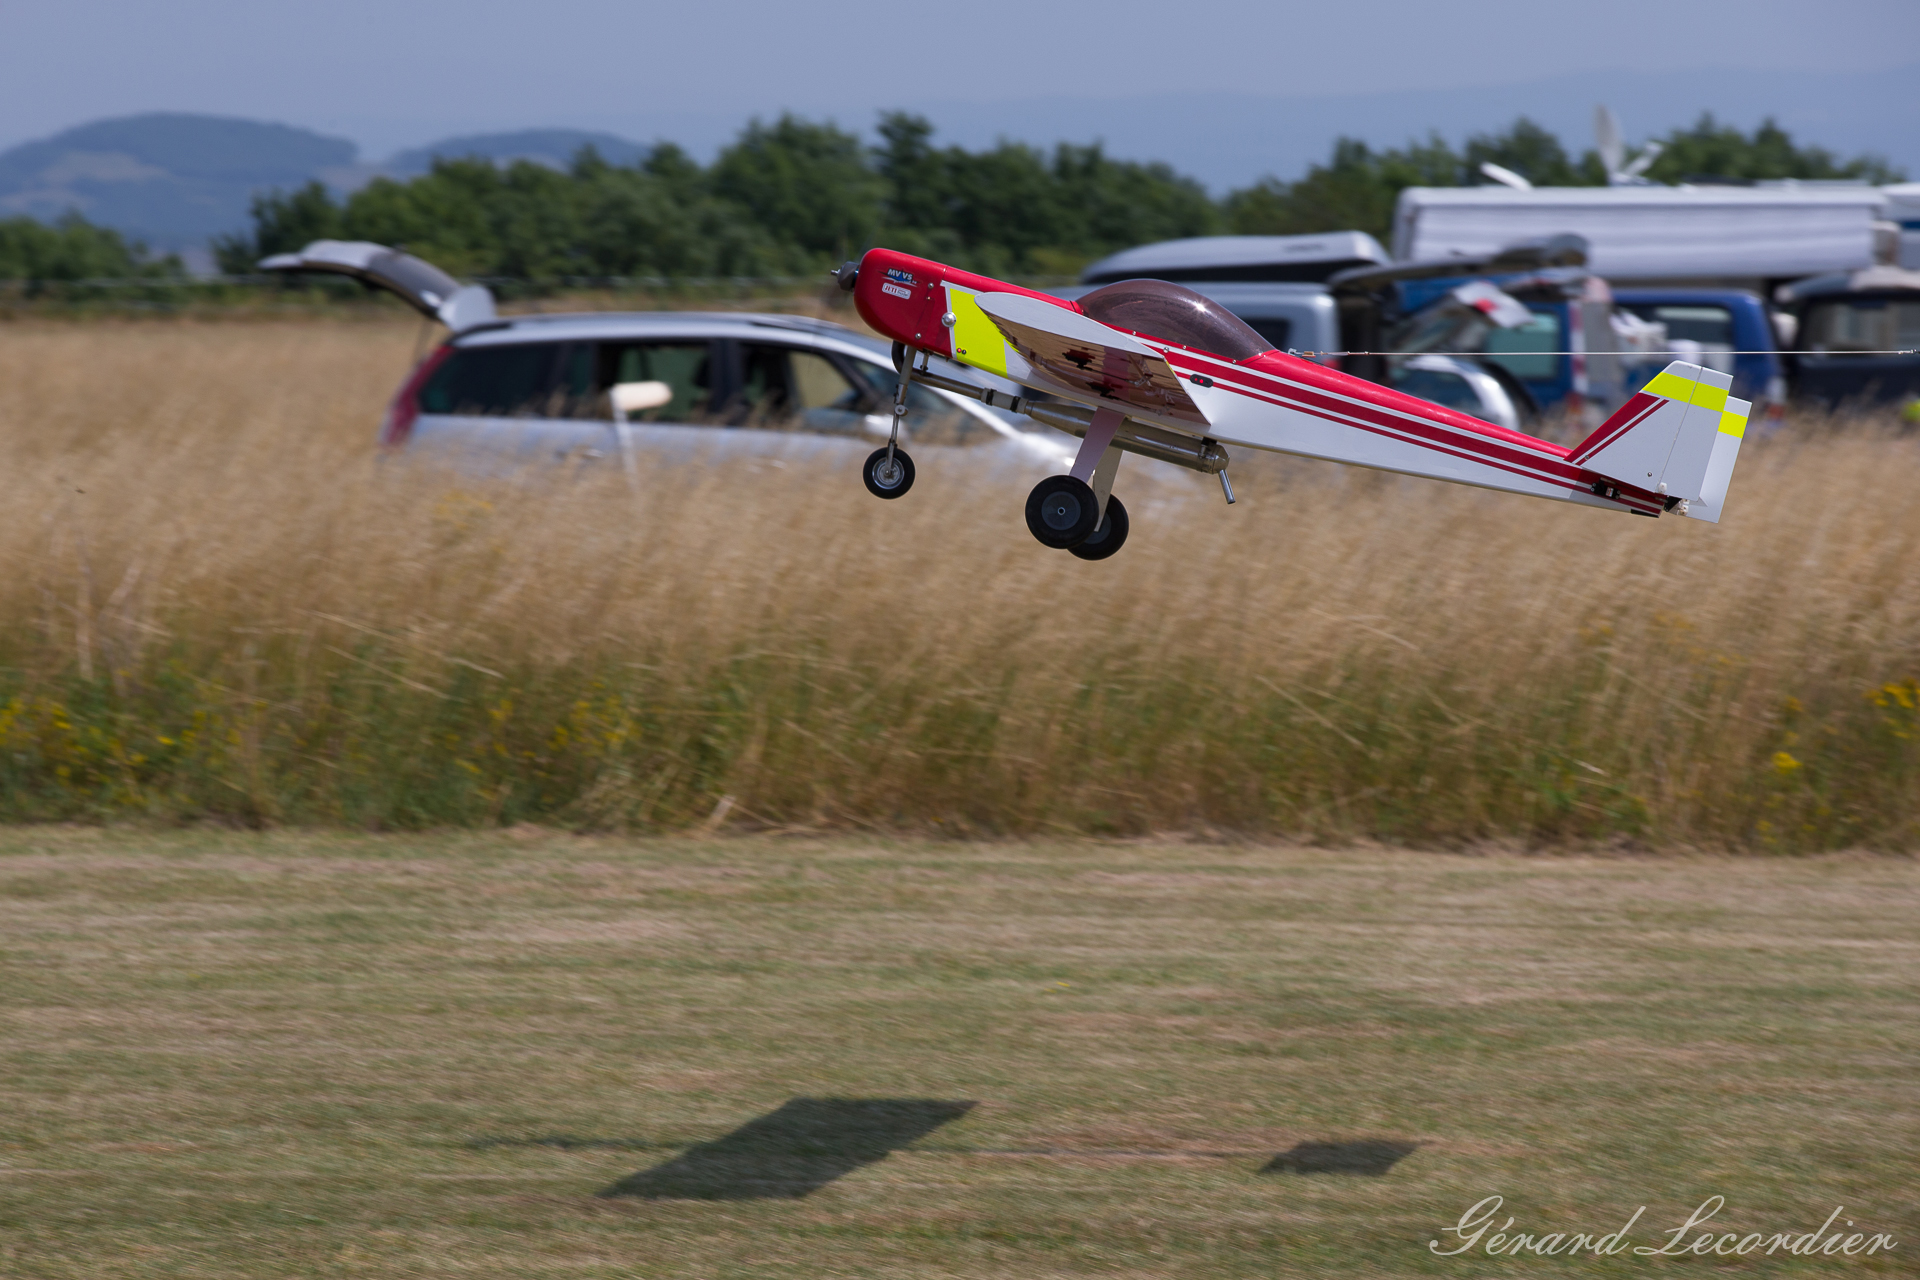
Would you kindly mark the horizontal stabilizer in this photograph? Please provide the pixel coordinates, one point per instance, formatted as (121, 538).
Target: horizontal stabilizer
(1678, 436)
(1077, 354)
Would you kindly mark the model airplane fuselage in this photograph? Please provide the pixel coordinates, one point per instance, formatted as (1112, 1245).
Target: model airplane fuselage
(1159, 370)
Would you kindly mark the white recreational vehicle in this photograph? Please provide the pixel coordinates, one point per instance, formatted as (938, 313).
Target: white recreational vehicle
(1754, 238)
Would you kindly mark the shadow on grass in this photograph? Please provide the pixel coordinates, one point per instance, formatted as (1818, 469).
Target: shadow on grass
(791, 1152)
(1369, 1158)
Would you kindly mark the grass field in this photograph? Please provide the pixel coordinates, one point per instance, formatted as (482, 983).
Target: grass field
(217, 603)
(307, 1055)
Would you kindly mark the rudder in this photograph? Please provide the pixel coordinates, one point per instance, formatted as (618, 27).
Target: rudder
(1678, 436)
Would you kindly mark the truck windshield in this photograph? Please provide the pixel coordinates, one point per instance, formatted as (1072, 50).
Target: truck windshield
(1862, 324)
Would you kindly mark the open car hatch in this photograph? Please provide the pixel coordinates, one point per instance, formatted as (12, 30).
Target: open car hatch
(422, 285)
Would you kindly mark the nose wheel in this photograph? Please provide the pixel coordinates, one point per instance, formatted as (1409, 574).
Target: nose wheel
(1109, 537)
(888, 473)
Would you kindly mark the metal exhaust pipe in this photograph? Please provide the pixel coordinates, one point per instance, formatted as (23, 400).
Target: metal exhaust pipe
(1205, 456)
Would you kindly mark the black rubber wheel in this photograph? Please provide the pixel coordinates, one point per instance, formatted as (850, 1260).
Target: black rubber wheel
(1109, 537)
(1062, 511)
(884, 481)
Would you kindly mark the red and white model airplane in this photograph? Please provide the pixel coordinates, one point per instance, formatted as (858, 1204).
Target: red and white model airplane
(1151, 368)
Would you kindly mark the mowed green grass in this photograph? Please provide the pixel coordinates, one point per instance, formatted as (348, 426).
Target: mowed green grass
(229, 1054)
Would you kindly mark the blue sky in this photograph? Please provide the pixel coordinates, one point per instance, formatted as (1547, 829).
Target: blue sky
(1148, 77)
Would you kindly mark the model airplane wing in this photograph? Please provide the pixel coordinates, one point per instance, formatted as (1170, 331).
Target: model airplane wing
(1076, 354)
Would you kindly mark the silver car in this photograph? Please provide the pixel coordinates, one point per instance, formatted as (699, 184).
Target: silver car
(625, 385)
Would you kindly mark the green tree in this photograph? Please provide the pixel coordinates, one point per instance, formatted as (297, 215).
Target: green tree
(1534, 154)
(807, 184)
(658, 220)
(446, 215)
(74, 249)
(1106, 204)
(1355, 190)
(919, 195)
(1014, 208)
(1712, 149)
(282, 223)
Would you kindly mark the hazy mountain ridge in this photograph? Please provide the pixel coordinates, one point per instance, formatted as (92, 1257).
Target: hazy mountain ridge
(167, 178)
(551, 147)
(175, 180)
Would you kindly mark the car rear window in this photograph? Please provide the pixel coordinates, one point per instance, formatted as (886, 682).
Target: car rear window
(496, 381)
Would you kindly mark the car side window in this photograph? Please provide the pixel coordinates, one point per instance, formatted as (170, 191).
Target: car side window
(514, 381)
(786, 388)
(686, 367)
(931, 419)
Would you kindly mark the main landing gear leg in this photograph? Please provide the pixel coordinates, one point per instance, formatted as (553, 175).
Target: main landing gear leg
(1111, 534)
(889, 471)
(1071, 511)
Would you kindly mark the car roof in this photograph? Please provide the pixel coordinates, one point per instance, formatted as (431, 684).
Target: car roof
(1231, 293)
(1682, 297)
(1235, 257)
(601, 326)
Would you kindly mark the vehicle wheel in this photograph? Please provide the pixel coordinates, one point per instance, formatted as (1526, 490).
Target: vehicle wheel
(888, 479)
(1109, 537)
(1062, 511)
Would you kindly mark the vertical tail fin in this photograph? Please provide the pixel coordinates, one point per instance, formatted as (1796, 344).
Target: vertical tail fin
(1678, 436)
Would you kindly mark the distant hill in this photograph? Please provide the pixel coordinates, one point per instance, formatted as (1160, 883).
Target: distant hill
(175, 180)
(554, 148)
(169, 179)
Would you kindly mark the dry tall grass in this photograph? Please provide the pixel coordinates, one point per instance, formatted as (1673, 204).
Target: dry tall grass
(218, 601)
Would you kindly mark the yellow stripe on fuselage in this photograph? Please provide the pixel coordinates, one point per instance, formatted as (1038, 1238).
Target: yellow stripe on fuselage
(976, 339)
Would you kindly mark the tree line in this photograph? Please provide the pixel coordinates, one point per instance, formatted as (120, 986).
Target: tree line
(792, 196)
(71, 248)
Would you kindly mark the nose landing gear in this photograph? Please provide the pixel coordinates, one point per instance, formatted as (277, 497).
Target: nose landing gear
(888, 473)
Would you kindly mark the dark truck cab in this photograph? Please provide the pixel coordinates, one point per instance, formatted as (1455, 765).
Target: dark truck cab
(1844, 325)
